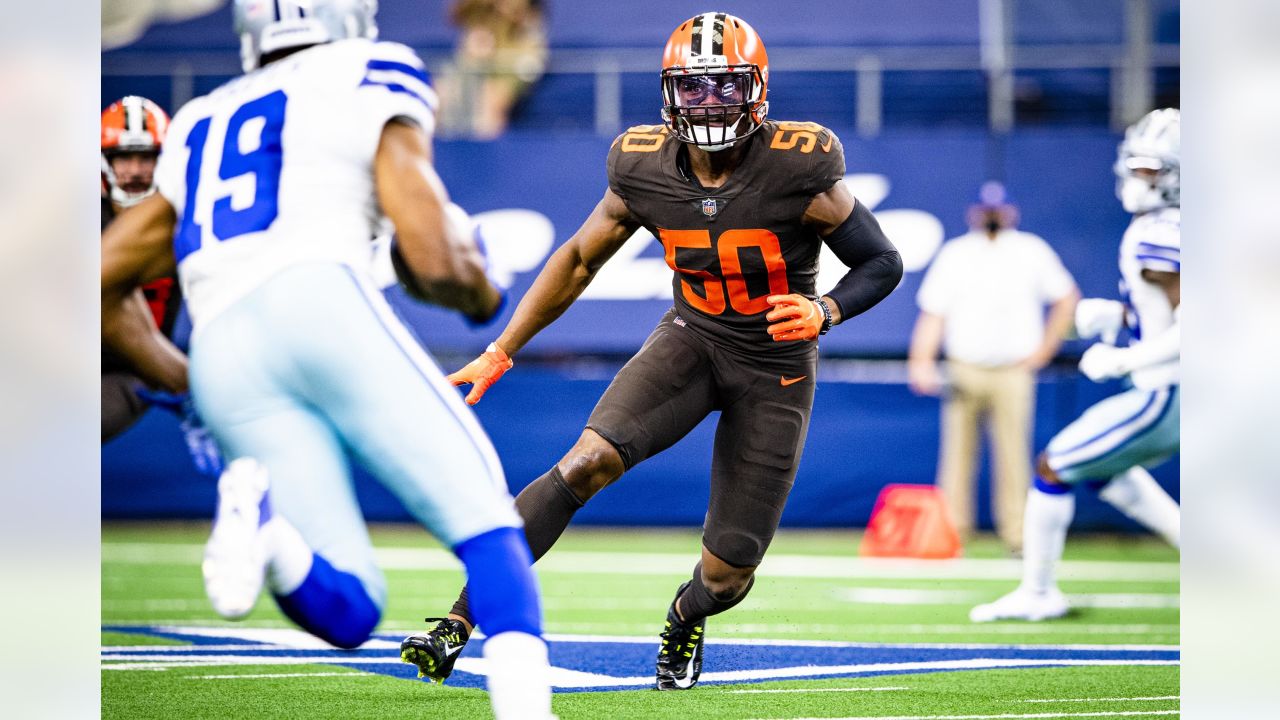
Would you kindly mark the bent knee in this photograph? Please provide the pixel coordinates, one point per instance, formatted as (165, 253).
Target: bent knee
(591, 465)
(728, 586)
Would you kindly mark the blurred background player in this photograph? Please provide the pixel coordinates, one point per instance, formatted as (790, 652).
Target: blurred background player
(267, 203)
(983, 300)
(501, 54)
(742, 205)
(1110, 446)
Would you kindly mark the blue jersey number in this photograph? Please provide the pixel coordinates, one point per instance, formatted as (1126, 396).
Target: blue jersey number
(263, 162)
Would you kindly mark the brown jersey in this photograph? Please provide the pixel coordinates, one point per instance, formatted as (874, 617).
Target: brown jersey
(732, 246)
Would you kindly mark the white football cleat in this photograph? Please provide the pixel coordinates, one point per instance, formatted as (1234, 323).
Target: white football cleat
(235, 558)
(1022, 604)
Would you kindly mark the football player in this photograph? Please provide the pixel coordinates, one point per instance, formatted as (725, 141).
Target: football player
(1110, 446)
(742, 205)
(270, 190)
(133, 130)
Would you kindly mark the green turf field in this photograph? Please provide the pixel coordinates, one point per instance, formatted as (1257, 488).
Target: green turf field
(619, 583)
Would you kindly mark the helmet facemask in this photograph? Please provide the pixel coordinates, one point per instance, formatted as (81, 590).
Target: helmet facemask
(714, 107)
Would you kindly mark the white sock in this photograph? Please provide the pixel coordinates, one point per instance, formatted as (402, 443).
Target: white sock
(1136, 494)
(289, 556)
(1044, 532)
(519, 677)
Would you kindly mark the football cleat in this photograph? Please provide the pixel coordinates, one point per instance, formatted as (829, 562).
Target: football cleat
(235, 558)
(1022, 604)
(435, 651)
(680, 655)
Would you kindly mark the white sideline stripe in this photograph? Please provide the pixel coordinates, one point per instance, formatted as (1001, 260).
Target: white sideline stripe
(258, 676)
(913, 596)
(1124, 699)
(816, 690)
(814, 566)
(1116, 714)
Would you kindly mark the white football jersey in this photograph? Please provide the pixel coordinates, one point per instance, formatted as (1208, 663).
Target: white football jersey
(1152, 242)
(275, 168)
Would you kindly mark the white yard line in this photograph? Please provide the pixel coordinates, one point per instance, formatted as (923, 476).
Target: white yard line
(578, 562)
(1010, 715)
(816, 690)
(915, 596)
(1087, 700)
(263, 676)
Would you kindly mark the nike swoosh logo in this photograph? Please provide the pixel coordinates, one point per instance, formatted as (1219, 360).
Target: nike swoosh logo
(451, 649)
(830, 138)
(791, 381)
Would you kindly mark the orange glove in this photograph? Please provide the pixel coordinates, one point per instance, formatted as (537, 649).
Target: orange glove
(801, 318)
(482, 372)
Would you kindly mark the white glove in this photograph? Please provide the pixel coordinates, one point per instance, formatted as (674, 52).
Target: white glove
(1096, 317)
(1103, 362)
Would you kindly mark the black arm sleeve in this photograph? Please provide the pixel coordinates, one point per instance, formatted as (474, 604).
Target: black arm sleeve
(875, 265)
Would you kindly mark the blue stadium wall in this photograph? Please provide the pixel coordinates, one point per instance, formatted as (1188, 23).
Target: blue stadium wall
(863, 435)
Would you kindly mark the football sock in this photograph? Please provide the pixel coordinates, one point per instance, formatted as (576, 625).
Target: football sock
(332, 605)
(504, 591)
(1136, 494)
(518, 676)
(546, 506)
(697, 603)
(289, 556)
(1050, 508)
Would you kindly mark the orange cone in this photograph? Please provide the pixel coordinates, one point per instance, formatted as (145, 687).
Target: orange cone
(910, 521)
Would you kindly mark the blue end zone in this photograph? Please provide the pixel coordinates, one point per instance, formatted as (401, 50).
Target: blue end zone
(593, 664)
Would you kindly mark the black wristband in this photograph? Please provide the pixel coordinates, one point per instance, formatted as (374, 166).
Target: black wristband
(826, 316)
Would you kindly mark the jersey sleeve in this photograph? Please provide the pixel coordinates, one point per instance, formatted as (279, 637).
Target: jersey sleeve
(827, 167)
(629, 150)
(171, 166)
(389, 82)
(1159, 246)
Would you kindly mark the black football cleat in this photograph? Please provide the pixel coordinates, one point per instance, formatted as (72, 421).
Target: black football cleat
(680, 655)
(435, 651)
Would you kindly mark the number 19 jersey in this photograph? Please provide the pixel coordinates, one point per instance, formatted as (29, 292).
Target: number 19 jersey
(275, 168)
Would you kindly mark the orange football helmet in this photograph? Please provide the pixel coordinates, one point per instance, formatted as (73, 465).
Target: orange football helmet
(715, 80)
(131, 124)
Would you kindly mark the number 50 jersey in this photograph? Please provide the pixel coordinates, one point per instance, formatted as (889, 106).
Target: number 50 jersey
(733, 246)
(275, 168)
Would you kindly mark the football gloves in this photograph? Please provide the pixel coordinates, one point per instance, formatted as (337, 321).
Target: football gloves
(794, 317)
(1103, 362)
(1096, 317)
(482, 372)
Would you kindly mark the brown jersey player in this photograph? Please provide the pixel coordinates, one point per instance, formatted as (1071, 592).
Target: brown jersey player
(742, 206)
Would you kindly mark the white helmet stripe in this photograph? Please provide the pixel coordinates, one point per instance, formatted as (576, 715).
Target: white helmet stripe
(708, 31)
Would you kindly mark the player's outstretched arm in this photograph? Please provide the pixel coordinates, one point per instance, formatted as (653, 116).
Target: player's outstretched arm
(567, 273)
(436, 263)
(137, 247)
(854, 234)
(569, 270)
(1102, 361)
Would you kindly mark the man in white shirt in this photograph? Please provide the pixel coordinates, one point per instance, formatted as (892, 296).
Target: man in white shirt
(983, 300)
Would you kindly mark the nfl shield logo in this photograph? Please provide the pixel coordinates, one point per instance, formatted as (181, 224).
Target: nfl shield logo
(709, 207)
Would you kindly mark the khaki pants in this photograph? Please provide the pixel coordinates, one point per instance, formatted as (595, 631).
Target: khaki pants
(1004, 397)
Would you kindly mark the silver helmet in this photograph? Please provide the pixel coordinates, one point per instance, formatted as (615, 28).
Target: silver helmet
(1147, 164)
(265, 26)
